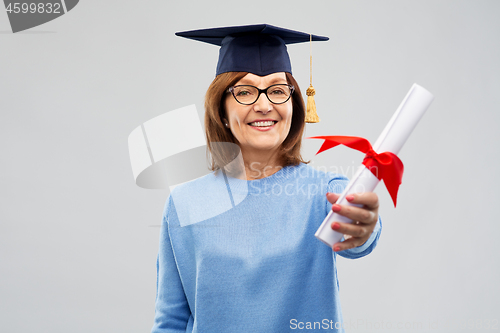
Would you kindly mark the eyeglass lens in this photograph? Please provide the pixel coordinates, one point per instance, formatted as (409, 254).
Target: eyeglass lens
(278, 93)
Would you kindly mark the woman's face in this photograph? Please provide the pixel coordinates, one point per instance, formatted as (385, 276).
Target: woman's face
(261, 126)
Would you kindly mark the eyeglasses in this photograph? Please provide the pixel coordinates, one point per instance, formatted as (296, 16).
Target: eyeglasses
(276, 94)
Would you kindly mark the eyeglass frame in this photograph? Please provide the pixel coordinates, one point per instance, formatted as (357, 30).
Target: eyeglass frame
(262, 91)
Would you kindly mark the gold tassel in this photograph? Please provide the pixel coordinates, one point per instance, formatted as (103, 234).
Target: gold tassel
(311, 115)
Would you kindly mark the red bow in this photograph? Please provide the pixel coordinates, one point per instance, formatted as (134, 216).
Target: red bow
(385, 166)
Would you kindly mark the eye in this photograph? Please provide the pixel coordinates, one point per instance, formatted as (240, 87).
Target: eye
(243, 91)
(277, 91)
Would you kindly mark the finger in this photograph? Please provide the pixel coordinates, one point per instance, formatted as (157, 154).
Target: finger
(332, 197)
(349, 244)
(360, 214)
(368, 199)
(351, 229)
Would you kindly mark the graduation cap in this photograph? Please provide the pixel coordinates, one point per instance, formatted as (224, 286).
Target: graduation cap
(259, 49)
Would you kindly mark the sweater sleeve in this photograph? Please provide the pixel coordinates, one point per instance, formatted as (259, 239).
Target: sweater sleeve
(336, 185)
(365, 248)
(171, 310)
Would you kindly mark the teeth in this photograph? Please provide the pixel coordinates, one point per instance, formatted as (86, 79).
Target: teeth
(262, 123)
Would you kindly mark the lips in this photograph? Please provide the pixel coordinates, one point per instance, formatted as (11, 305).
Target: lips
(262, 123)
(263, 126)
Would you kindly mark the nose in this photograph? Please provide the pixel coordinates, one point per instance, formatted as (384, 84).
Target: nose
(262, 104)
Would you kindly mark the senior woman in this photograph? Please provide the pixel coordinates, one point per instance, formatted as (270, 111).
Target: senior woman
(254, 265)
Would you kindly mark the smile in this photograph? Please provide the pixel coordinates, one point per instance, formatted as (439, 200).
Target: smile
(263, 125)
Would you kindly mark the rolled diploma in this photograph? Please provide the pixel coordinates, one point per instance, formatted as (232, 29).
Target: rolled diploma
(392, 139)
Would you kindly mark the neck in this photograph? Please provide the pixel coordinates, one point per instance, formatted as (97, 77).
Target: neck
(260, 164)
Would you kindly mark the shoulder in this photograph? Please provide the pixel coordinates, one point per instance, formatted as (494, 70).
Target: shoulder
(311, 179)
(197, 200)
(197, 184)
(334, 182)
(188, 189)
(321, 173)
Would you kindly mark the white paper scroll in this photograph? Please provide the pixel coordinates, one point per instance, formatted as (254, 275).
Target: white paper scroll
(392, 139)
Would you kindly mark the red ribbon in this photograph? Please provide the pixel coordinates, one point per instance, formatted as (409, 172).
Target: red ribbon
(385, 166)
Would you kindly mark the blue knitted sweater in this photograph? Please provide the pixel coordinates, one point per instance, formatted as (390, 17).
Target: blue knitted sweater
(241, 256)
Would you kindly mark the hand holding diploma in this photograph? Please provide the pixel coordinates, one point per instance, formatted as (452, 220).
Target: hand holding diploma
(380, 163)
(364, 218)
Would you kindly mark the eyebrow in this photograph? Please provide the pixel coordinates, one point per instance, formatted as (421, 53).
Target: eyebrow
(273, 81)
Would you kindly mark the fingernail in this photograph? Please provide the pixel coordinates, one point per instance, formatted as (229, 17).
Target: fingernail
(350, 197)
(336, 248)
(336, 208)
(335, 226)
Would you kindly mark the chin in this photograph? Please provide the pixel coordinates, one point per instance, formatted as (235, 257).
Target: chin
(265, 146)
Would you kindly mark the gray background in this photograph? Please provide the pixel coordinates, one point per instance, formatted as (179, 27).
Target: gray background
(78, 241)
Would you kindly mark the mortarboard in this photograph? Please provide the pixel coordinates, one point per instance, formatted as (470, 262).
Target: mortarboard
(259, 49)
